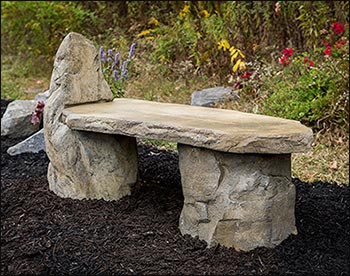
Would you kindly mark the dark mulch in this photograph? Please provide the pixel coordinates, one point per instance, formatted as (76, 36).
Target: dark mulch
(44, 234)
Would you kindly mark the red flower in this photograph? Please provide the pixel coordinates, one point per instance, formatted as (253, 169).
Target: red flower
(306, 60)
(246, 75)
(326, 43)
(327, 51)
(340, 42)
(41, 104)
(35, 119)
(338, 28)
(38, 113)
(283, 60)
(288, 52)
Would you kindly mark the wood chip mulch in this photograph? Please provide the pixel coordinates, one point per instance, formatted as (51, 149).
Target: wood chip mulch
(42, 233)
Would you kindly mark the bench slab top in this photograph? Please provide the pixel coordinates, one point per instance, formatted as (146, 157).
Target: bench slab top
(213, 128)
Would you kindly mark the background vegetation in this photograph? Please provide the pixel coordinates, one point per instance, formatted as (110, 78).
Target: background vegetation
(184, 46)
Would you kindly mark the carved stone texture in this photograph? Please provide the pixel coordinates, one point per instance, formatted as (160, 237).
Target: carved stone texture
(237, 200)
(84, 164)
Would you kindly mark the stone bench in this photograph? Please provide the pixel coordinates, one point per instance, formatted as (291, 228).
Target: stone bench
(235, 167)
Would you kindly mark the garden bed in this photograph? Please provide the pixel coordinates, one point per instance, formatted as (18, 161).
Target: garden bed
(42, 233)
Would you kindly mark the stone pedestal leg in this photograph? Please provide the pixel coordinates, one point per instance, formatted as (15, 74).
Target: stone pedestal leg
(236, 200)
(92, 165)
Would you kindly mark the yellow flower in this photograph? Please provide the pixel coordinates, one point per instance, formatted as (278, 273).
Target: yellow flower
(186, 8)
(223, 44)
(235, 52)
(239, 65)
(153, 21)
(204, 13)
(145, 32)
(235, 67)
(182, 14)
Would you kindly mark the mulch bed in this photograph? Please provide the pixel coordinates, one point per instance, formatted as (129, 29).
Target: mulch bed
(42, 233)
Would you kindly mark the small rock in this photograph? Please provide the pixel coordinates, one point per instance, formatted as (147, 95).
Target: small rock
(34, 144)
(16, 119)
(210, 96)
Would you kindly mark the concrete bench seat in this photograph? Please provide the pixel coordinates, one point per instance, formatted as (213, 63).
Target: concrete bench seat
(235, 167)
(216, 129)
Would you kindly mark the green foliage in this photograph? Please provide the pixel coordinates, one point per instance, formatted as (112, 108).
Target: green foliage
(193, 29)
(315, 95)
(19, 76)
(38, 27)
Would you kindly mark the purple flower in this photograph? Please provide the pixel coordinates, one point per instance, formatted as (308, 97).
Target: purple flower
(125, 74)
(101, 51)
(123, 67)
(110, 52)
(132, 50)
(116, 58)
(115, 75)
(109, 59)
(103, 57)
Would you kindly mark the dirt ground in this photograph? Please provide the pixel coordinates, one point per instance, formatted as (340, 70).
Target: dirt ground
(42, 233)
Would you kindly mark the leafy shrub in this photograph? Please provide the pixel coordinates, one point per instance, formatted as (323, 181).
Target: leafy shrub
(193, 29)
(312, 89)
(37, 27)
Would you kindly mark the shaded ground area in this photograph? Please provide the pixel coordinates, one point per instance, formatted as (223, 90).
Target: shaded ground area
(44, 234)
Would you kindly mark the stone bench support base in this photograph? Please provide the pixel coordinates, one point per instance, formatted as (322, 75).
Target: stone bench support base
(93, 166)
(236, 200)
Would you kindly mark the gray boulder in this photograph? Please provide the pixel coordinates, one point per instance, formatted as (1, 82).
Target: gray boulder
(210, 96)
(33, 144)
(16, 119)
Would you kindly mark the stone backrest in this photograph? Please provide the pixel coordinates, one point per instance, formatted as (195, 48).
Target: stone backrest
(79, 161)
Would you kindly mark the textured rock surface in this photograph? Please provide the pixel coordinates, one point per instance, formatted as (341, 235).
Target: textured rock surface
(84, 165)
(34, 144)
(210, 96)
(236, 200)
(16, 120)
(217, 129)
(42, 96)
